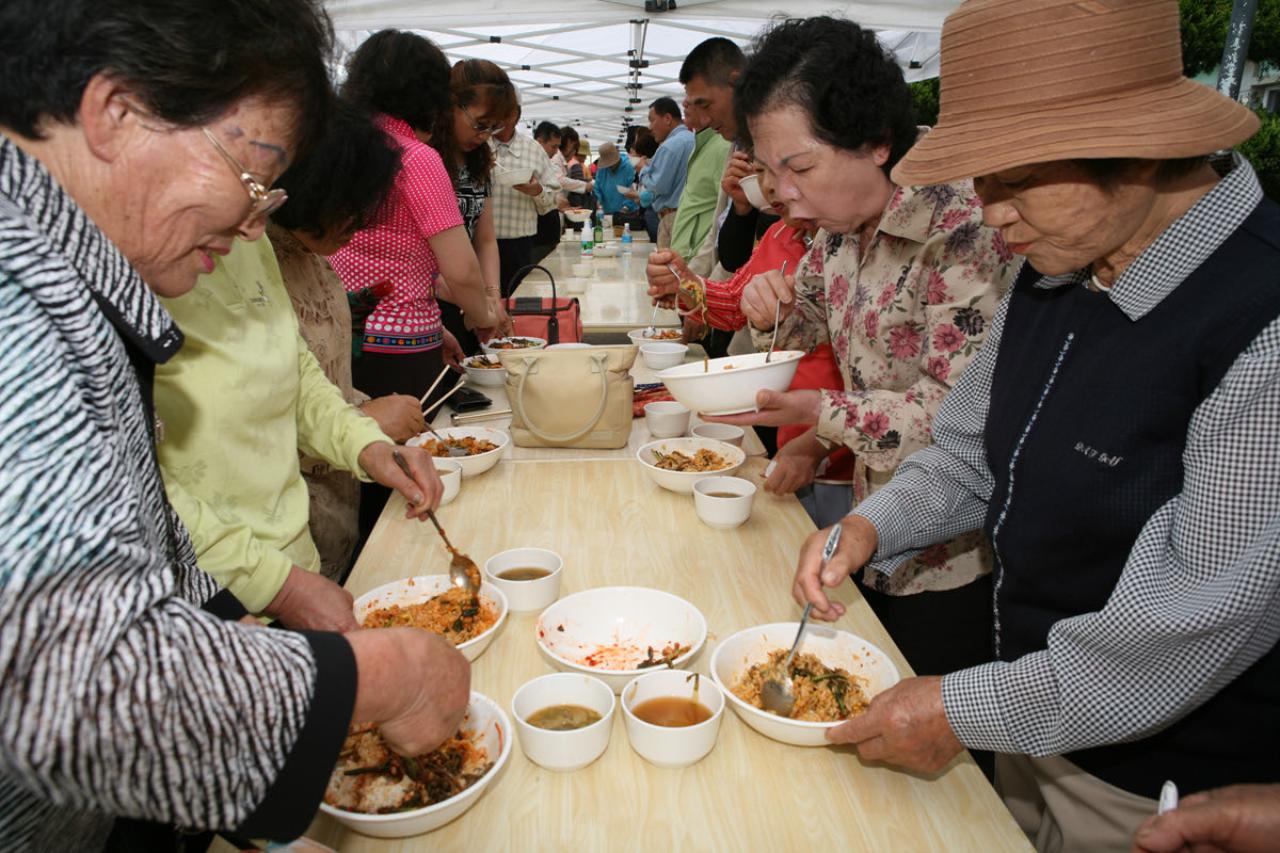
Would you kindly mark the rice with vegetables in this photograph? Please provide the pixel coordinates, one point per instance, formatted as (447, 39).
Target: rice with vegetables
(456, 615)
(823, 694)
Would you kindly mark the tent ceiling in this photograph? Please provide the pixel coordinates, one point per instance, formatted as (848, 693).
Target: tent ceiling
(570, 60)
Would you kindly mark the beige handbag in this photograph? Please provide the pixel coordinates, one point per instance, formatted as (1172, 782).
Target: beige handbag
(571, 397)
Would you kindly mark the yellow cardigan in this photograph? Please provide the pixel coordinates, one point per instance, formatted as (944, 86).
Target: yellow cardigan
(237, 403)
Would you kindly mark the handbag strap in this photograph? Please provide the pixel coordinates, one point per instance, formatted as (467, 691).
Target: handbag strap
(597, 367)
(553, 322)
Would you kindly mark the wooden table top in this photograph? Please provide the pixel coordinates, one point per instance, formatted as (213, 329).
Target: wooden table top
(613, 526)
(612, 299)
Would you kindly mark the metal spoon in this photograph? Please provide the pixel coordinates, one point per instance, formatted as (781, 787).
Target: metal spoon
(777, 694)
(777, 313)
(463, 571)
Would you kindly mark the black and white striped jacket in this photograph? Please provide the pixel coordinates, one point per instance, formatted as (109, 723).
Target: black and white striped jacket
(119, 694)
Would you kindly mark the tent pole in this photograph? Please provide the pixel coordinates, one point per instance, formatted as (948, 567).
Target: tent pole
(1236, 51)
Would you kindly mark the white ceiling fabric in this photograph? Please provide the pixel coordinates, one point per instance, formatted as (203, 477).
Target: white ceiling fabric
(576, 53)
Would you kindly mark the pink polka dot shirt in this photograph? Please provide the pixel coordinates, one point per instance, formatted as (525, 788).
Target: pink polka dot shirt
(393, 248)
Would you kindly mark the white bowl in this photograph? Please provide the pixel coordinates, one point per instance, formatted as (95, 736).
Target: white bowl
(666, 419)
(539, 343)
(607, 250)
(728, 433)
(682, 481)
(492, 377)
(663, 354)
(471, 465)
(720, 512)
(424, 587)
(835, 648)
(526, 596)
(502, 177)
(669, 746)
(450, 476)
(583, 269)
(575, 345)
(751, 189)
(713, 390)
(578, 214)
(640, 336)
(607, 631)
(493, 734)
(567, 750)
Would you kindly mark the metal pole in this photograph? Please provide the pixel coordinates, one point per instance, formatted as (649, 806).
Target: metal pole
(1236, 51)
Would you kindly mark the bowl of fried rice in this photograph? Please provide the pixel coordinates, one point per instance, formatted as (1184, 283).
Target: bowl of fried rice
(834, 673)
(379, 793)
(433, 603)
(484, 446)
(677, 463)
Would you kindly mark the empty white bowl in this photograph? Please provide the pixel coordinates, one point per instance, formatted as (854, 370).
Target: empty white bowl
(835, 648)
(524, 596)
(716, 510)
(672, 746)
(423, 588)
(642, 336)
(751, 189)
(471, 465)
(450, 476)
(490, 347)
(666, 419)
(663, 354)
(492, 734)
(607, 250)
(728, 386)
(682, 481)
(490, 377)
(566, 750)
(728, 433)
(503, 177)
(607, 631)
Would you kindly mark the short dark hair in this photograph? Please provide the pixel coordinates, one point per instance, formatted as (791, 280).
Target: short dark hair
(647, 145)
(546, 130)
(470, 81)
(634, 133)
(569, 137)
(403, 75)
(714, 60)
(665, 106)
(346, 175)
(838, 74)
(187, 61)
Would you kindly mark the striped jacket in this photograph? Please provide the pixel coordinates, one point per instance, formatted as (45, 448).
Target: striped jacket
(119, 694)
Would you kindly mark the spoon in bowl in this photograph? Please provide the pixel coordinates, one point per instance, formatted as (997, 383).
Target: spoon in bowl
(777, 313)
(777, 694)
(463, 571)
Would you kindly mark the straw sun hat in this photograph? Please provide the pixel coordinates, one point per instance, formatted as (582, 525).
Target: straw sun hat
(1029, 81)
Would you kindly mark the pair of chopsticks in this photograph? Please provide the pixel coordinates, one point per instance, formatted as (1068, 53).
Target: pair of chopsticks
(422, 402)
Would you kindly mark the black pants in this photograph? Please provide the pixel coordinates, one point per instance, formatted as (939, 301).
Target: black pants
(941, 632)
(513, 254)
(548, 236)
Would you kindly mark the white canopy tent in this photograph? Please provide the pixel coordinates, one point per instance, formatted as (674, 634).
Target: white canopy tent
(572, 61)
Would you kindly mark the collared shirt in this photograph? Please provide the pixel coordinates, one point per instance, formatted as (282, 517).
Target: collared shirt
(394, 247)
(905, 318)
(243, 396)
(701, 192)
(111, 676)
(665, 175)
(1115, 674)
(567, 184)
(609, 179)
(515, 214)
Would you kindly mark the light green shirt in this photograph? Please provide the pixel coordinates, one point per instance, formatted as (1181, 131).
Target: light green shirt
(238, 402)
(697, 209)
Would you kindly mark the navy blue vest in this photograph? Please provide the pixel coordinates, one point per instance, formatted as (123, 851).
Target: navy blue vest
(1100, 454)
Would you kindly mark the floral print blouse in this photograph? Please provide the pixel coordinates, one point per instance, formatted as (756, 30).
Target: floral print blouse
(904, 317)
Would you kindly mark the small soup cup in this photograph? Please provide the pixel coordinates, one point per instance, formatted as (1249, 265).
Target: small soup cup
(723, 502)
(668, 746)
(728, 433)
(564, 750)
(451, 476)
(666, 419)
(535, 594)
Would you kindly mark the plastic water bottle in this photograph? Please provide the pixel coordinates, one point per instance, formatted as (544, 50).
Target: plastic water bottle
(626, 237)
(599, 229)
(588, 245)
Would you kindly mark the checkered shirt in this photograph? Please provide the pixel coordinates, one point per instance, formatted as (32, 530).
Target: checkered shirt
(514, 213)
(1198, 600)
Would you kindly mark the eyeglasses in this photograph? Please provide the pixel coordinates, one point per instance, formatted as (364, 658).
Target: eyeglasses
(263, 201)
(480, 128)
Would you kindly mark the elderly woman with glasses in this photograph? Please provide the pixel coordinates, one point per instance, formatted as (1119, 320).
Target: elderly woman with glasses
(129, 690)
(1118, 437)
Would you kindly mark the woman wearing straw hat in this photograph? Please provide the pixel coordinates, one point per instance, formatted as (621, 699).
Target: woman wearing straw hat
(1118, 436)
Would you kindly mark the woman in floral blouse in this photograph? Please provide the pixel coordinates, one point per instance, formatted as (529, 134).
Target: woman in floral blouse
(900, 281)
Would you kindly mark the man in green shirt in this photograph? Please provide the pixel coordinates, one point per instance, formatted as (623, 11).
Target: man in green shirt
(236, 404)
(697, 208)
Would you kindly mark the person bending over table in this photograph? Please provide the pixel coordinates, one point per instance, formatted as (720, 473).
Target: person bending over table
(901, 282)
(132, 698)
(1118, 437)
(320, 218)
